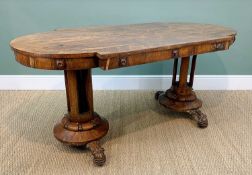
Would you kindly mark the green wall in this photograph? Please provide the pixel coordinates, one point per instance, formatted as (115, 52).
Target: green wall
(19, 17)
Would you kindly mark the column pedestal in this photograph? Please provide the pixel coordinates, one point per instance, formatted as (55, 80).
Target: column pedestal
(181, 97)
(81, 125)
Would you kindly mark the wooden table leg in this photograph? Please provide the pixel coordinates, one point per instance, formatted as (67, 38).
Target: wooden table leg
(81, 125)
(181, 97)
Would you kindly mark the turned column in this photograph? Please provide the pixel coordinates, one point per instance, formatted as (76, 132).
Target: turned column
(81, 125)
(180, 96)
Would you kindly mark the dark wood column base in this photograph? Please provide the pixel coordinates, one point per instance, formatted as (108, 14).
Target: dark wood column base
(181, 97)
(77, 133)
(179, 106)
(81, 126)
(190, 107)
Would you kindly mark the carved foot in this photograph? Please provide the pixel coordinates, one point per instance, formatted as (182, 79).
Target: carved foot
(157, 94)
(97, 151)
(199, 117)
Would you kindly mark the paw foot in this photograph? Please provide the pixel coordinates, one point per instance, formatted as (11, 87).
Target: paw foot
(99, 158)
(200, 118)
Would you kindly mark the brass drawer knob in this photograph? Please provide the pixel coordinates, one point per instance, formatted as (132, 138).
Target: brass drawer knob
(123, 61)
(175, 53)
(60, 64)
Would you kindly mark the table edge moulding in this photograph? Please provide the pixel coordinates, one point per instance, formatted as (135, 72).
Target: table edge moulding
(76, 51)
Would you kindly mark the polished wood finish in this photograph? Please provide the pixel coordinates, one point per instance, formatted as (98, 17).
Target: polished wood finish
(181, 97)
(77, 51)
(108, 46)
(81, 125)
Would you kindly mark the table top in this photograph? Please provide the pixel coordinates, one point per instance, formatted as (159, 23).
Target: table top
(105, 42)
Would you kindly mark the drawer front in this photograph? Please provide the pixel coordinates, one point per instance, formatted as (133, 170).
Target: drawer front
(125, 60)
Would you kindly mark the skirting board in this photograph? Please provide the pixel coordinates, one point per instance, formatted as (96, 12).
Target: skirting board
(127, 82)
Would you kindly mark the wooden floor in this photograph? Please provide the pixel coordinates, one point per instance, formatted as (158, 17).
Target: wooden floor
(144, 138)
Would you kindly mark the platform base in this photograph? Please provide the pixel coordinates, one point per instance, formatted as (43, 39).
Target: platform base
(88, 134)
(179, 104)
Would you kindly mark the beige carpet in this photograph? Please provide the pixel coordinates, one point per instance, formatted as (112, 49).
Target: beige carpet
(144, 138)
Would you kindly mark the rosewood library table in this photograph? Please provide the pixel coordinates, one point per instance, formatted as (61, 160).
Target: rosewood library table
(78, 50)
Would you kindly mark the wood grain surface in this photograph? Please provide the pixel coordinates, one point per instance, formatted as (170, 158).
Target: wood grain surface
(113, 42)
(76, 51)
